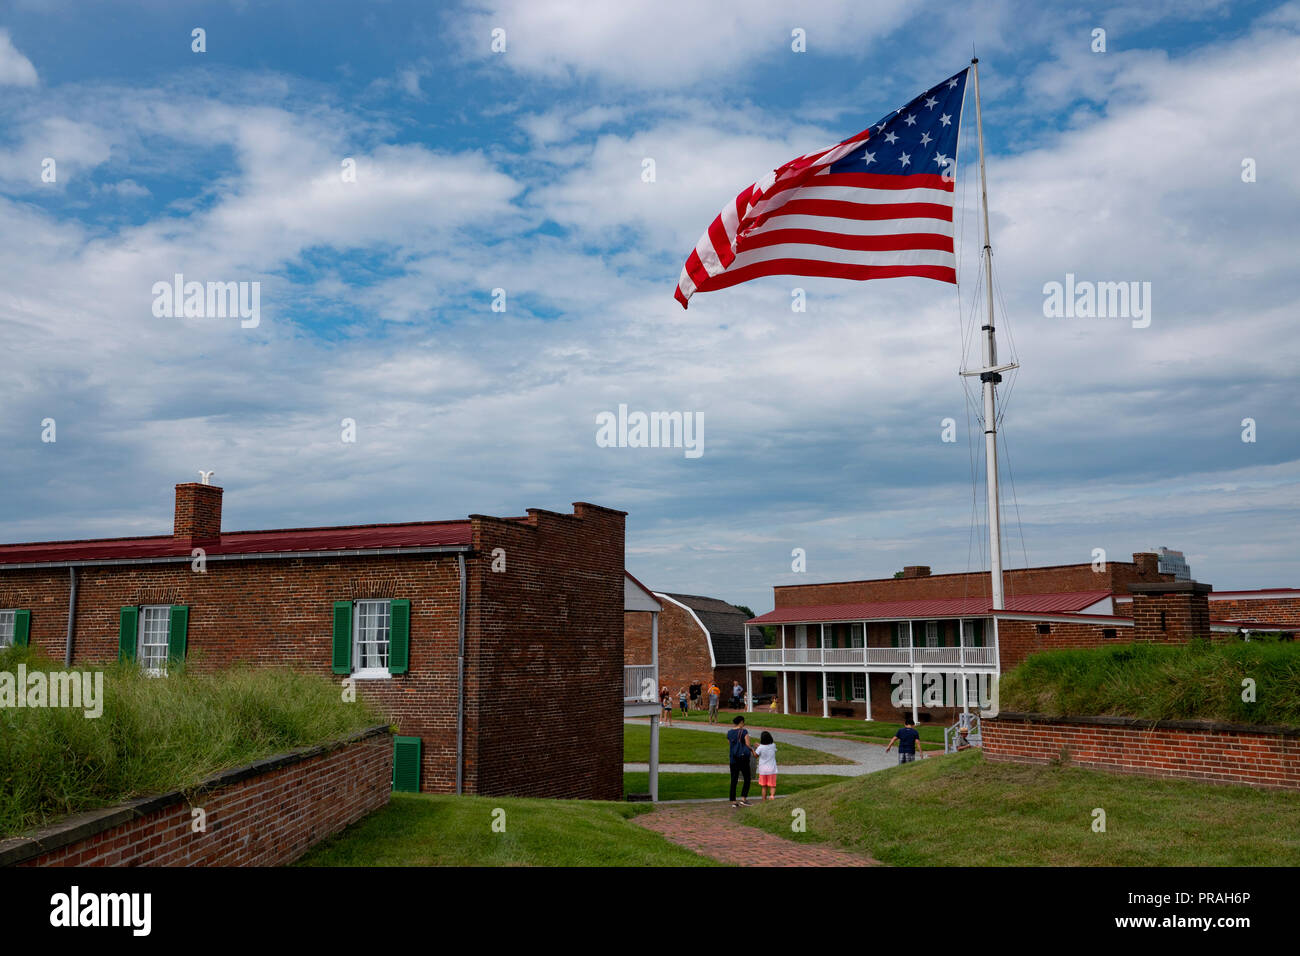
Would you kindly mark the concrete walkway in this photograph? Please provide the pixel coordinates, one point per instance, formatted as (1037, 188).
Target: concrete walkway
(867, 758)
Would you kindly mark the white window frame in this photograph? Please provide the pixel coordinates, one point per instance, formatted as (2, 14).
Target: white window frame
(8, 621)
(931, 633)
(853, 687)
(143, 631)
(857, 635)
(384, 626)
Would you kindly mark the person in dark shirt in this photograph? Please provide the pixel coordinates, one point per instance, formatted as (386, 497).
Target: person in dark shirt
(908, 741)
(739, 749)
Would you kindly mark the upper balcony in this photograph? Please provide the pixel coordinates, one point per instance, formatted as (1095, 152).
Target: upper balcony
(817, 658)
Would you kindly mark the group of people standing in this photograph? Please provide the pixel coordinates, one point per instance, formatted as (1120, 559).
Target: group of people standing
(692, 698)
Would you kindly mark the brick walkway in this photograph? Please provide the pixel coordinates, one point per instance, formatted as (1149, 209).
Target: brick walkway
(713, 831)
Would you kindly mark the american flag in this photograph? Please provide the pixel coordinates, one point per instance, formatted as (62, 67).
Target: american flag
(875, 206)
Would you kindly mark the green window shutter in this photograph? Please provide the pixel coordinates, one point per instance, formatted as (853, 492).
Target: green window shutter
(977, 634)
(343, 637)
(177, 627)
(127, 633)
(406, 764)
(818, 682)
(896, 636)
(22, 627)
(399, 636)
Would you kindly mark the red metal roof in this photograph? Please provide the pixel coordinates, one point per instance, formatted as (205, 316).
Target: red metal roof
(347, 538)
(923, 609)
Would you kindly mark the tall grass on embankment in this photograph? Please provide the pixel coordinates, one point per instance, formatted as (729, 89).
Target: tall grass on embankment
(1201, 680)
(155, 735)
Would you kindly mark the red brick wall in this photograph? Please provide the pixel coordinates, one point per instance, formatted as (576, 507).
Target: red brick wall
(266, 818)
(1018, 639)
(1272, 610)
(636, 637)
(545, 637)
(1216, 753)
(544, 641)
(273, 613)
(1068, 577)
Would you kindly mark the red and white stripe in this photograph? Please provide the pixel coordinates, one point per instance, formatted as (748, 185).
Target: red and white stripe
(804, 220)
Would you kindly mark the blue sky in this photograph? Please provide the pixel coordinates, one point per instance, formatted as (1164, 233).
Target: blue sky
(522, 170)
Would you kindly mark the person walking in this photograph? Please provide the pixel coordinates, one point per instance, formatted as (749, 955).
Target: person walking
(714, 693)
(739, 750)
(737, 692)
(908, 741)
(766, 751)
(681, 699)
(666, 702)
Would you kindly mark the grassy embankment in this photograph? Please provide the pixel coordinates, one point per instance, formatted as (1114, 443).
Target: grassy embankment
(155, 735)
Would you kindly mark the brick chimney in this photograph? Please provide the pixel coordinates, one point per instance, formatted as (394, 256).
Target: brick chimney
(1170, 612)
(198, 512)
(1148, 564)
(916, 571)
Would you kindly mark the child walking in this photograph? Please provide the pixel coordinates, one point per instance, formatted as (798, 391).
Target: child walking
(767, 766)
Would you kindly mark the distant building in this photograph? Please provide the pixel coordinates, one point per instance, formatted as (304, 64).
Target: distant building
(1173, 562)
(928, 644)
(700, 639)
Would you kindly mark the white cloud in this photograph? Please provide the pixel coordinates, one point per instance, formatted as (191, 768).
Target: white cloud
(670, 43)
(15, 69)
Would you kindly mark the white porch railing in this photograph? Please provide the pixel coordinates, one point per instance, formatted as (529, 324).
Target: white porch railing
(862, 656)
(640, 683)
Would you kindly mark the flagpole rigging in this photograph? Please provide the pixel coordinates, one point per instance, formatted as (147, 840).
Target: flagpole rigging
(990, 374)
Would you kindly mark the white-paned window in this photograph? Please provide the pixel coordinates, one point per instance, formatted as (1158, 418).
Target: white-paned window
(370, 635)
(859, 686)
(931, 633)
(151, 648)
(856, 635)
(6, 627)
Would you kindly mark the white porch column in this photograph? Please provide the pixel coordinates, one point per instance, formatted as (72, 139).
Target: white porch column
(915, 693)
(868, 683)
(749, 686)
(826, 697)
(785, 695)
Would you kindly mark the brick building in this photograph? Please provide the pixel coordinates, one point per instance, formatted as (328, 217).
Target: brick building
(930, 644)
(494, 644)
(700, 638)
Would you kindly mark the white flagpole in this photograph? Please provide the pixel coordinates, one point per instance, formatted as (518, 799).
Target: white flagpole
(990, 374)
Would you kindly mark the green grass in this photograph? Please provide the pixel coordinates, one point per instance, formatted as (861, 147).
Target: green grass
(701, 786)
(963, 811)
(155, 735)
(1195, 681)
(838, 725)
(692, 746)
(429, 830)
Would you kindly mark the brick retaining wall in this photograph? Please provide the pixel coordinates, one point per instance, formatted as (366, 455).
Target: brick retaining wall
(267, 813)
(1265, 757)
